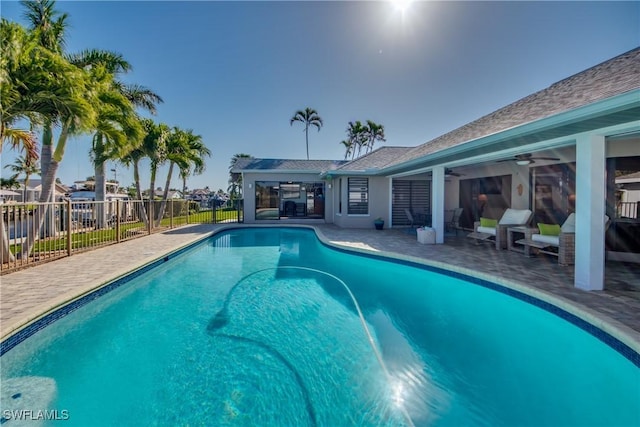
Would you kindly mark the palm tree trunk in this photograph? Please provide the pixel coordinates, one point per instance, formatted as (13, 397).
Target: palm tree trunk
(5, 253)
(100, 189)
(47, 149)
(165, 196)
(152, 190)
(306, 135)
(43, 211)
(48, 182)
(136, 179)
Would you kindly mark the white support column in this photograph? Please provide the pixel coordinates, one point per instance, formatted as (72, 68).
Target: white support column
(437, 203)
(590, 212)
(390, 213)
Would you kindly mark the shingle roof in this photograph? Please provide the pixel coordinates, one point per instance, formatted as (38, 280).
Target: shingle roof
(244, 164)
(613, 77)
(376, 159)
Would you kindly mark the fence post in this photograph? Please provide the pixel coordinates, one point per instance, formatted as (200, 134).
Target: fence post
(69, 243)
(118, 211)
(213, 212)
(188, 203)
(171, 214)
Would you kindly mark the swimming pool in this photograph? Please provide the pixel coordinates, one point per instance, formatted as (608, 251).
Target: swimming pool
(253, 327)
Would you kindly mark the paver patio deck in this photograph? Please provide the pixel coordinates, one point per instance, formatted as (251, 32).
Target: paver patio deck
(26, 295)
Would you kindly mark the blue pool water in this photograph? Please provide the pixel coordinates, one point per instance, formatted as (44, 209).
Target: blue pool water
(254, 327)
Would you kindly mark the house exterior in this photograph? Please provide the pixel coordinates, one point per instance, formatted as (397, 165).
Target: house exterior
(281, 189)
(555, 152)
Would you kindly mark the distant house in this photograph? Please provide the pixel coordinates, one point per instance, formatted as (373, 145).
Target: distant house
(554, 152)
(172, 194)
(34, 189)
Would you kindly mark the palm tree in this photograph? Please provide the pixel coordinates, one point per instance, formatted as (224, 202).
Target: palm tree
(374, 132)
(153, 147)
(47, 23)
(183, 149)
(309, 117)
(197, 166)
(349, 151)
(27, 89)
(24, 165)
(357, 136)
(235, 179)
(118, 128)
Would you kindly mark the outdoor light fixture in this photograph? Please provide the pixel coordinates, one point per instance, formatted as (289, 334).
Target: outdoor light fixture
(524, 162)
(250, 185)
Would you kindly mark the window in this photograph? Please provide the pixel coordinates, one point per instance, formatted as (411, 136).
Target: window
(358, 196)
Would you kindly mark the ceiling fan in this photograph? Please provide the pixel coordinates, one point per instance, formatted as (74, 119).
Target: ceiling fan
(450, 172)
(525, 159)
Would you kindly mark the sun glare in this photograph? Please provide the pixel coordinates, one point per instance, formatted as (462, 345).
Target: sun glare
(401, 5)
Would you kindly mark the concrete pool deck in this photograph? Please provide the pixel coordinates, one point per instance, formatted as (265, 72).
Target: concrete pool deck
(28, 294)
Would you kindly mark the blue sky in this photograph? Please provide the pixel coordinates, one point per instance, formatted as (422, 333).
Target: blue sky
(235, 72)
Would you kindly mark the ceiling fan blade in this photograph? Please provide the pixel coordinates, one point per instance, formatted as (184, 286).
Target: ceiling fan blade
(544, 158)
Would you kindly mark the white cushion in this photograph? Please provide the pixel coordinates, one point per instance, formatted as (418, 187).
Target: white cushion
(552, 240)
(488, 230)
(569, 226)
(515, 216)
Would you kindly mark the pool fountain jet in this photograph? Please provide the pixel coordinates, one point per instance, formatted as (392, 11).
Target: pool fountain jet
(221, 319)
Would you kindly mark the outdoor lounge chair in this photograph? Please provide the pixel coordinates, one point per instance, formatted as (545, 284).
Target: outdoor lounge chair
(510, 218)
(561, 245)
(454, 222)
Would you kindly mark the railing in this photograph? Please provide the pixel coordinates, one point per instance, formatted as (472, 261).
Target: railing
(628, 210)
(33, 233)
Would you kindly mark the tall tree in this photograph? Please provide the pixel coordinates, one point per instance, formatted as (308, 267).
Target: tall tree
(308, 117)
(348, 149)
(24, 165)
(49, 26)
(196, 164)
(28, 91)
(118, 128)
(153, 147)
(374, 132)
(184, 149)
(235, 179)
(356, 133)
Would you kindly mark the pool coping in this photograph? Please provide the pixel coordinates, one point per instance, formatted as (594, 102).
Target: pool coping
(43, 315)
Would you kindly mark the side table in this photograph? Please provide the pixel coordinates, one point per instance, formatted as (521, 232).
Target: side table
(511, 240)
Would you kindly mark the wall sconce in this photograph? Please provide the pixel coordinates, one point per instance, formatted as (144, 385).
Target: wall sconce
(250, 185)
(329, 186)
(523, 162)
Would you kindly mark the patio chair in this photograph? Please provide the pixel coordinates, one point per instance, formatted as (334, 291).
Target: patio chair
(556, 240)
(454, 222)
(413, 223)
(489, 229)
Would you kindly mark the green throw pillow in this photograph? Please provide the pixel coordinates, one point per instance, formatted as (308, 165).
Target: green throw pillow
(489, 223)
(549, 229)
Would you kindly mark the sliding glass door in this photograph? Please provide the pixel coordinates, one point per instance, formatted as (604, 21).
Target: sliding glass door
(283, 200)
